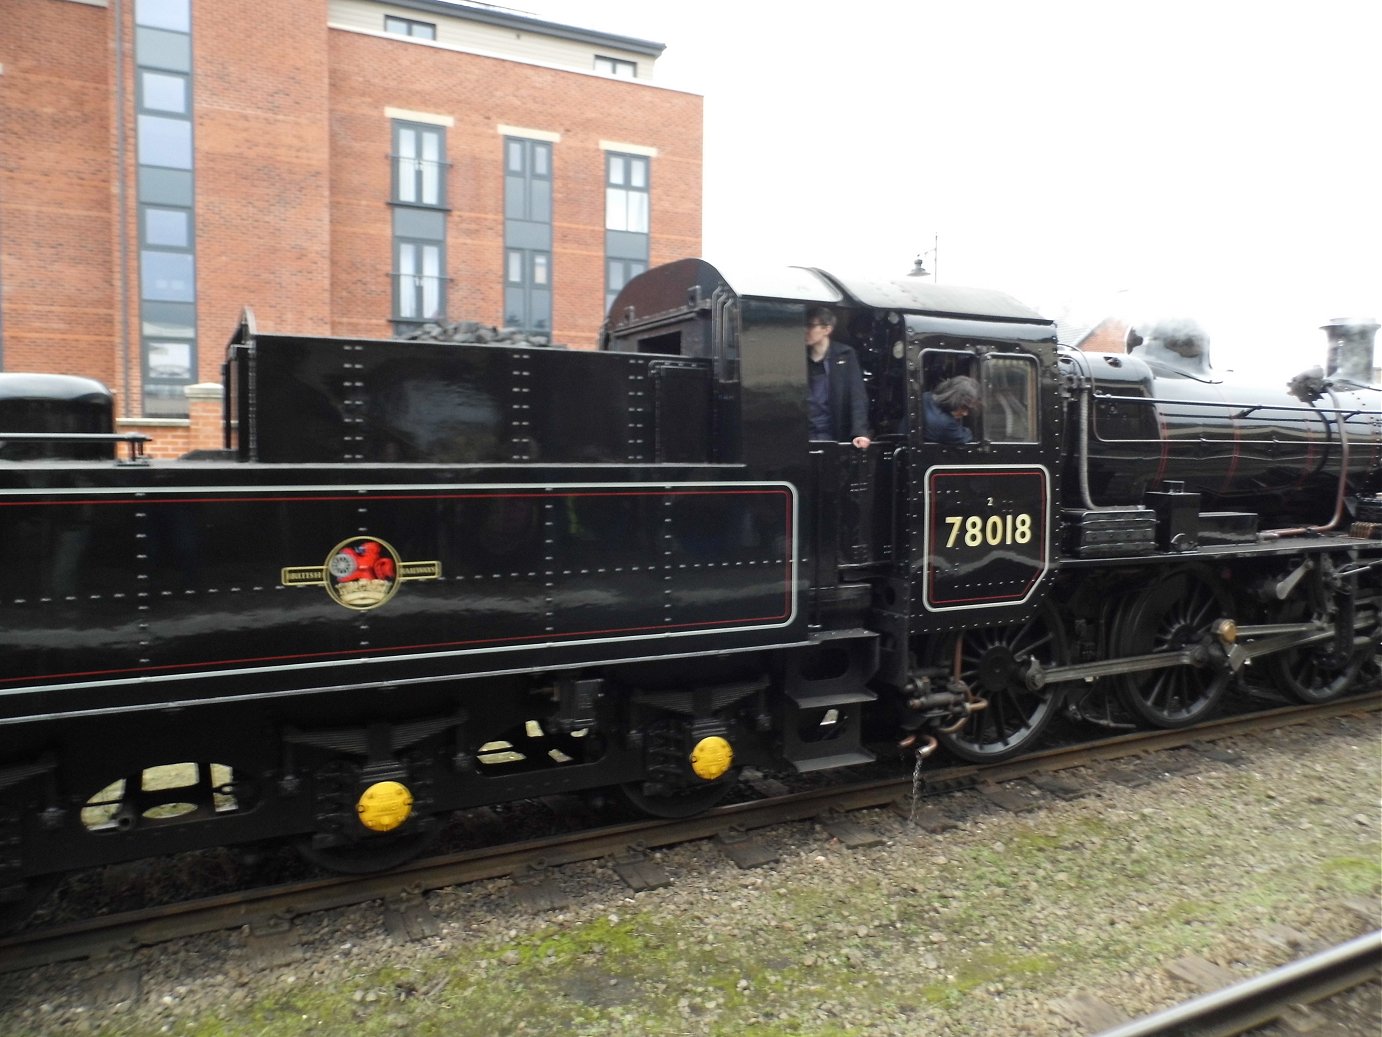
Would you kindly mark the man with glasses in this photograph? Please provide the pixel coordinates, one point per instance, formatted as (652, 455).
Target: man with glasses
(836, 401)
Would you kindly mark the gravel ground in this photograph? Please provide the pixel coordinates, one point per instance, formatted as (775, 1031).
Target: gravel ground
(989, 927)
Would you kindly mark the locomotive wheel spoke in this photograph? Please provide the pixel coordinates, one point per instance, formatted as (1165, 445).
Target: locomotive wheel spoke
(991, 664)
(1312, 674)
(1169, 616)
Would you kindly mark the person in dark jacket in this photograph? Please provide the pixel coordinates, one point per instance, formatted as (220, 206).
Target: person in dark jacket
(835, 396)
(944, 410)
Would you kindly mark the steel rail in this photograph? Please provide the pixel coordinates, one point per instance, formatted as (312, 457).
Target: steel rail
(1257, 1001)
(130, 930)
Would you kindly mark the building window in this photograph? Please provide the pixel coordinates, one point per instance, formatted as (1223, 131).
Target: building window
(627, 219)
(626, 193)
(173, 15)
(528, 180)
(408, 27)
(419, 164)
(167, 235)
(528, 289)
(616, 67)
(162, 92)
(619, 272)
(419, 223)
(167, 227)
(165, 141)
(167, 276)
(170, 361)
(418, 294)
(164, 320)
(528, 234)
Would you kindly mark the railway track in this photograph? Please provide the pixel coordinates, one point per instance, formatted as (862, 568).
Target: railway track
(1239, 1008)
(269, 910)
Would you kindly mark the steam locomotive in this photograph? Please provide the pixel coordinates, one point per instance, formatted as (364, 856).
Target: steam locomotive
(426, 576)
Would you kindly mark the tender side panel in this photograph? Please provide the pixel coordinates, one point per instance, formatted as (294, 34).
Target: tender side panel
(71, 596)
(179, 583)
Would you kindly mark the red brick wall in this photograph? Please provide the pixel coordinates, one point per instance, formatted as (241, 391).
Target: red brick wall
(56, 202)
(292, 181)
(369, 75)
(171, 438)
(263, 170)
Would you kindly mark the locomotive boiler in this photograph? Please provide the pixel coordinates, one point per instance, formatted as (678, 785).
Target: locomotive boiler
(1160, 414)
(427, 576)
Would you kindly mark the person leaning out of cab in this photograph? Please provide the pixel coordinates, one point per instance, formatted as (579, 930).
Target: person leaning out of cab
(835, 396)
(944, 410)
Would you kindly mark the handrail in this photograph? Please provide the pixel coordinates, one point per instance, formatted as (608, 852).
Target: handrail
(1245, 409)
(77, 437)
(135, 440)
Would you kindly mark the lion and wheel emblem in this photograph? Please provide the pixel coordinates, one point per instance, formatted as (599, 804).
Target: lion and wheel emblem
(361, 573)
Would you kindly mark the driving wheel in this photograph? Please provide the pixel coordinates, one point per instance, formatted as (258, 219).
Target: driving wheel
(1312, 673)
(993, 663)
(1175, 613)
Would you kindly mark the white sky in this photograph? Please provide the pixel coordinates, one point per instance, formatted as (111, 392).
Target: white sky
(1217, 159)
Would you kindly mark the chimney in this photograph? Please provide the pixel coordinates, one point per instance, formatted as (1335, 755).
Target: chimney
(1351, 343)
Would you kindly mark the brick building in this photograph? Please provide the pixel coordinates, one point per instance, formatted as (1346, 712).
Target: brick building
(342, 167)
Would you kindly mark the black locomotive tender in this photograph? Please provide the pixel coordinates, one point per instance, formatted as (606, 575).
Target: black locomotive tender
(428, 576)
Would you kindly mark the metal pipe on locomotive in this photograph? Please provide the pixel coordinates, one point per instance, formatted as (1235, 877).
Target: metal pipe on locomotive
(428, 576)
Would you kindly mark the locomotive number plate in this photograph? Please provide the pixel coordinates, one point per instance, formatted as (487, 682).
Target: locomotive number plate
(986, 535)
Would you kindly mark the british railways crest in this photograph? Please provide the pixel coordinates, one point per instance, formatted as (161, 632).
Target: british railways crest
(360, 573)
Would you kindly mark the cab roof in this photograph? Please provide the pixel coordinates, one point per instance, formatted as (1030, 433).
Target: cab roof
(674, 286)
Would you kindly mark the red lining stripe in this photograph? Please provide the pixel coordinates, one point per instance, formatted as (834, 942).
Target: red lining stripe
(346, 655)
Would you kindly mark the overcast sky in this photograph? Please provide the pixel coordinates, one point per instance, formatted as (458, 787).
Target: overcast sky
(1217, 159)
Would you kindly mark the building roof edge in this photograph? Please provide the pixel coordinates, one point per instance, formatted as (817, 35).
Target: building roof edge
(513, 20)
(495, 55)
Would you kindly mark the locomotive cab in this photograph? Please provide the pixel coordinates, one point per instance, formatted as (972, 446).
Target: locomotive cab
(909, 337)
(910, 538)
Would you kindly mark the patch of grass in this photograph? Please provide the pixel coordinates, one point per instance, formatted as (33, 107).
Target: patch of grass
(1354, 874)
(627, 936)
(995, 966)
(777, 1030)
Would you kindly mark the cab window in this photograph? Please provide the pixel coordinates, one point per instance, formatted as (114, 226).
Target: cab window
(938, 367)
(1009, 410)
